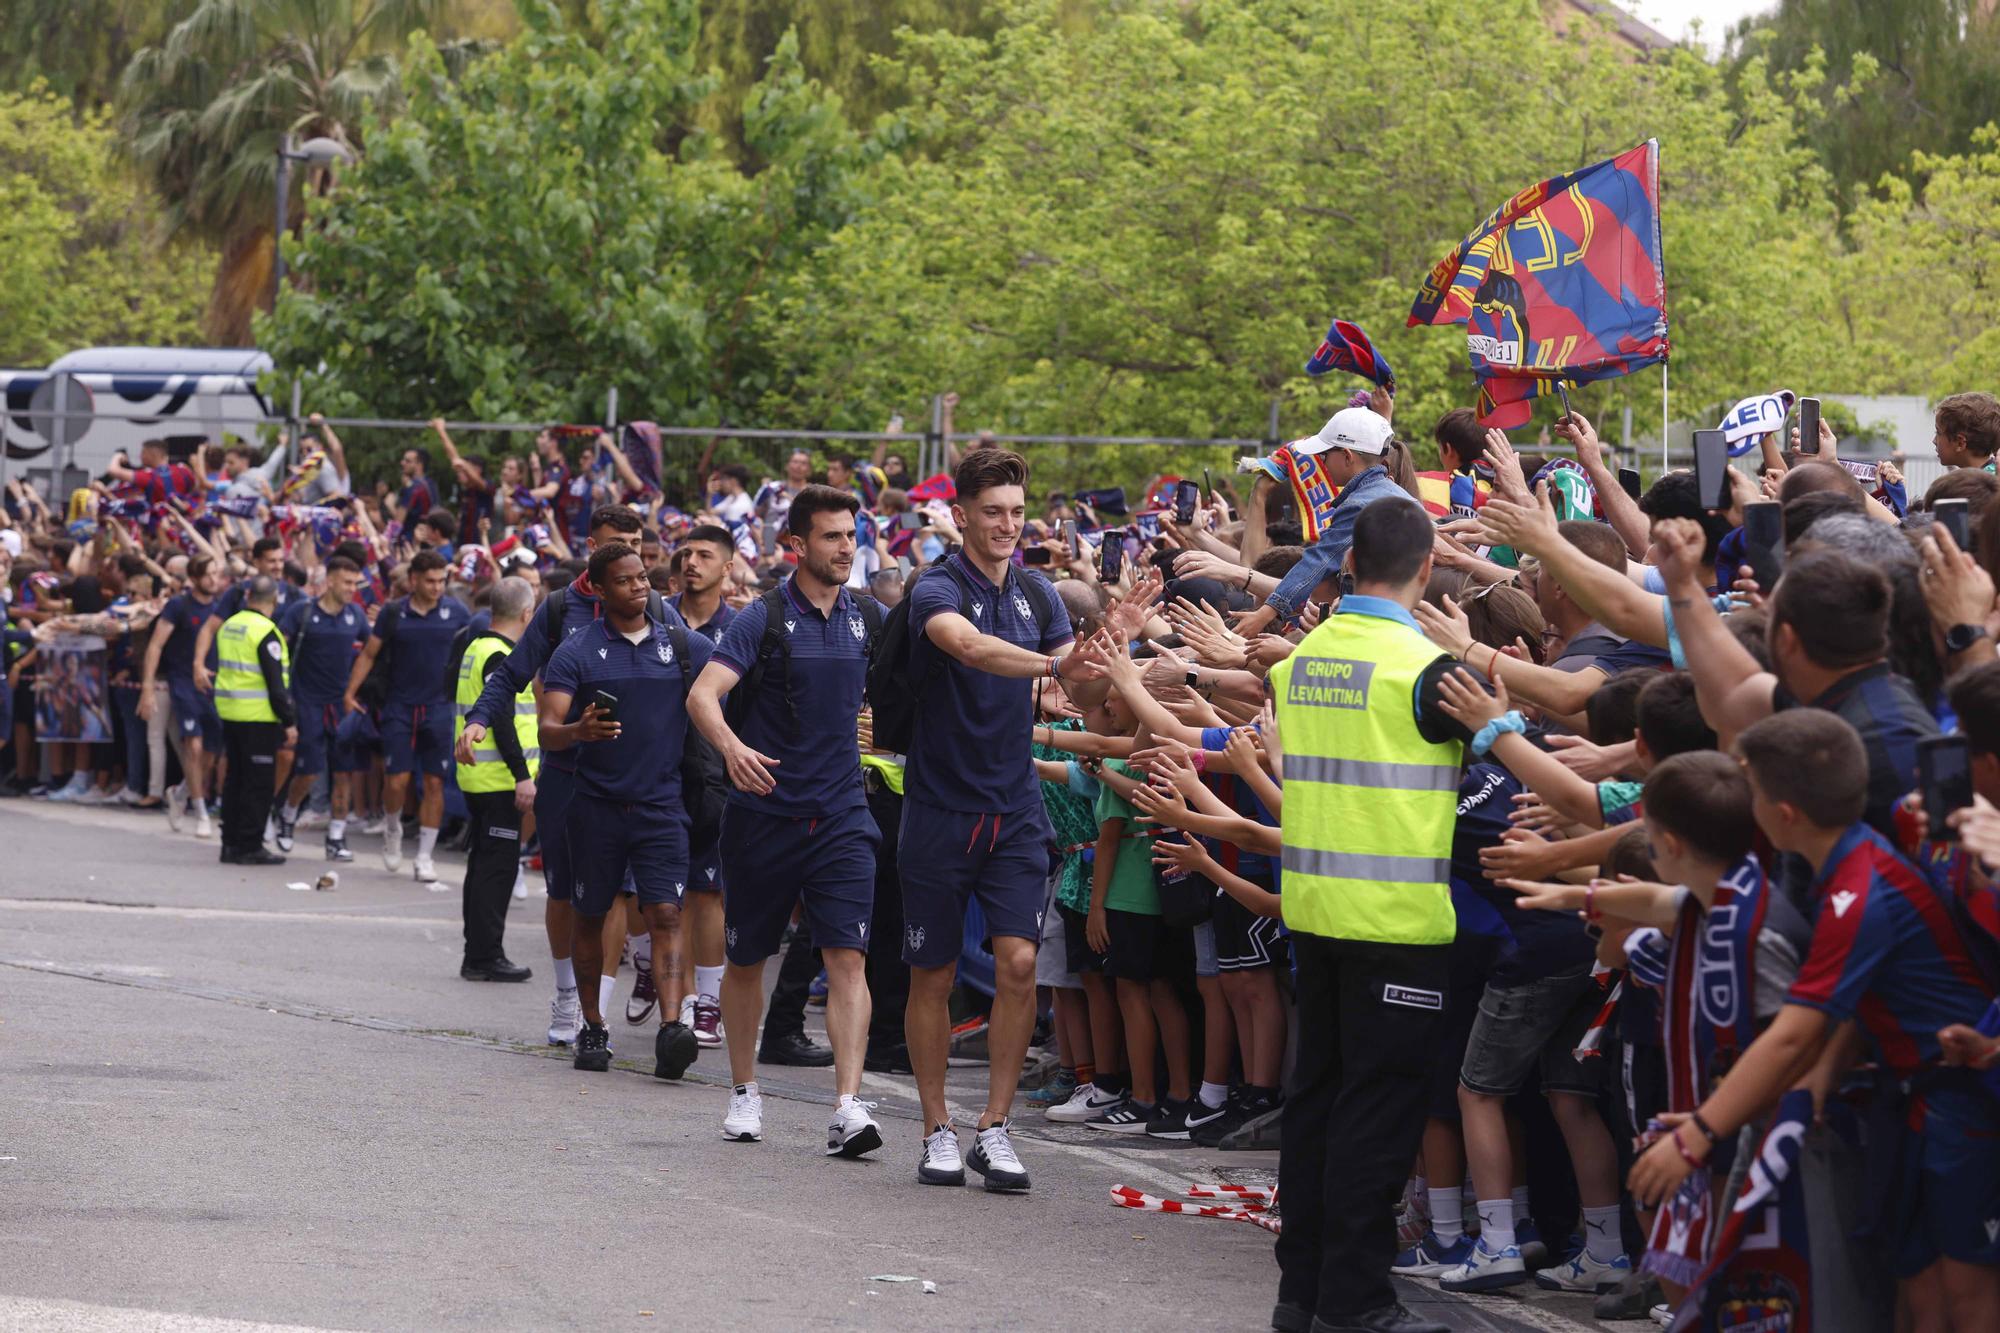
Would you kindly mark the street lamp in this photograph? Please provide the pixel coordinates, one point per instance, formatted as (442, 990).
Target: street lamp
(318, 151)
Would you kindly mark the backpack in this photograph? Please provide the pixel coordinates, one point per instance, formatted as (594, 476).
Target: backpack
(374, 691)
(704, 779)
(736, 708)
(893, 688)
(552, 607)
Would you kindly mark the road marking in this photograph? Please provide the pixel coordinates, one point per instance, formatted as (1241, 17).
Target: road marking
(24, 1313)
(211, 913)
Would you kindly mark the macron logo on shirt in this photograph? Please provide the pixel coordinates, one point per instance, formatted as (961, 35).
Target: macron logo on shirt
(604, 652)
(1842, 901)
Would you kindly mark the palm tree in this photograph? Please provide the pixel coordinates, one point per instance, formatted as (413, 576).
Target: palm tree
(206, 109)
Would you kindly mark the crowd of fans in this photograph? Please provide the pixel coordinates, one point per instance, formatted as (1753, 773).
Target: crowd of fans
(1692, 864)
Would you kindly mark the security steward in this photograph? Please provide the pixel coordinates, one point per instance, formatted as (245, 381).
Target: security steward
(1371, 765)
(254, 700)
(499, 787)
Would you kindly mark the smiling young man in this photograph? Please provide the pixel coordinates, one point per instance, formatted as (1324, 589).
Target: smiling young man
(973, 824)
(797, 829)
(616, 692)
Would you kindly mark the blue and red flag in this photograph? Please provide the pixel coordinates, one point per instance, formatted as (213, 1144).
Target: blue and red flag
(1565, 281)
(1347, 348)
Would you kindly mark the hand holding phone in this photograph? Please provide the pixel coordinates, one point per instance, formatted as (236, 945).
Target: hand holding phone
(1185, 496)
(1111, 556)
(1955, 517)
(1711, 469)
(1808, 425)
(1944, 776)
(1628, 481)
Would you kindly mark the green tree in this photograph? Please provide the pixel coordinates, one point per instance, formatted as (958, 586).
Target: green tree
(1144, 226)
(81, 258)
(517, 241)
(77, 47)
(206, 108)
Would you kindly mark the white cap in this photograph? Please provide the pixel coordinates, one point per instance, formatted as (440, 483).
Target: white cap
(1361, 429)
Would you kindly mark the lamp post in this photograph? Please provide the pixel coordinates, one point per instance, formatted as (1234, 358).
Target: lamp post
(318, 151)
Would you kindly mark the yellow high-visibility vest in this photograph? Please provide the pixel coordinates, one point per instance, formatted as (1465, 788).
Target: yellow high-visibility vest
(488, 771)
(1370, 805)
(240, 695)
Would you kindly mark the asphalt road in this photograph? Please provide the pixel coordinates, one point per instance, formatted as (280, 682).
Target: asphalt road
(229, 1105)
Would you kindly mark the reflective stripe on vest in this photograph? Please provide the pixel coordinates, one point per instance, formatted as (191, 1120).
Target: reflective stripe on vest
(488, 770)
(240, 695)
(1370, 805)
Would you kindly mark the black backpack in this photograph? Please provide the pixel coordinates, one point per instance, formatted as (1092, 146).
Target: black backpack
(893, 688)
(374, 691)
(736, 707)
(704, 778)
(552, 608)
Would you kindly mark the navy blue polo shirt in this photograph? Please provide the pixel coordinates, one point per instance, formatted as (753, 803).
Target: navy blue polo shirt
(970, 751)
(421, 647)
(724, 615)
(804, 713)
(642, 766)
(323, 648)
(185, 613)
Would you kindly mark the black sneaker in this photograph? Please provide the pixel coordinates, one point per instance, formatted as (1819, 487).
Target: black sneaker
(593, 1048)
(1208, 1128)
(284, 831)
(674, 1050)
(1128, 1117)
(888, 1060)
(1171, 1121)
(336, 850)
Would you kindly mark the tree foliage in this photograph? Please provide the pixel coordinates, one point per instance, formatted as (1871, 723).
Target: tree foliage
(518, 241)
(81, 257)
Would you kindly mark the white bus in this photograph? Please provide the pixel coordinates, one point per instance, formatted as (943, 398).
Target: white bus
(186, 396)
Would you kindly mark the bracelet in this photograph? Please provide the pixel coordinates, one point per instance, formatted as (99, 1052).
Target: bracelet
(1693, 1163)
(1702, 1125)
(1511, 720)
(1493, 665)
(1246, 579)
(1590, 901)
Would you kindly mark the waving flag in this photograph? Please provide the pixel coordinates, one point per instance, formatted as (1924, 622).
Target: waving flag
(1758, 1277)
(1564, 281)
(1313, 491)
(1347, 348)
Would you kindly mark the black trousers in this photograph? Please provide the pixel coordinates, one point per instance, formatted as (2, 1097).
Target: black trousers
(888, 974)
(490, 868)
(251, 782)
(787, 1015)
(1368, 1015)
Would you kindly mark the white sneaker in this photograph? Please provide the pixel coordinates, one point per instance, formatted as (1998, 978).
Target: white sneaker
(1086, 1103)
(78, 784)
(1662, 1314)
(1584, 1273)
(96, 796)
(312, 819)
(1486, 1270)
(520, 881)
(370, 825)
(853, 1131)
(687, 1011)
(126, 796)
(392, 845)
(565, 1018)
(271, 831)
(745, 1121)
(993, 1157)
(202, 827)
(177, 806)
(426, 870)
(940, 1163)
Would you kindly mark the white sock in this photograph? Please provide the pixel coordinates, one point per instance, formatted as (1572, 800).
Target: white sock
(641, 945)
(1602, 1238)
(1496, 1224)
(291, 813)
(1213, 1095)
(565, 974)
(707, 983)
(606, 988)
(1446, 1212)
(520, 881)
(198, 805)
(427, 841)
(336, 829)
(751, 1086)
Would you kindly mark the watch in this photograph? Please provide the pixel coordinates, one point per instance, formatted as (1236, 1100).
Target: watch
(1960, 638)
(1193, 678)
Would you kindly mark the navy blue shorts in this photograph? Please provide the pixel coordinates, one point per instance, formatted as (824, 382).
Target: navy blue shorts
(554, 788)
(1951, 1182)
(707, 874)
(194, 714)
(946, 858)
(319, 740)
(773, 862)
(416, 738)
(606, 838)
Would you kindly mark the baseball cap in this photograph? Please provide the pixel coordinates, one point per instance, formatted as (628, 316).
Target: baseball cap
(1361, 429)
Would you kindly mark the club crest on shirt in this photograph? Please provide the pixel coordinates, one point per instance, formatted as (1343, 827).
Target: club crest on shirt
(666, 653)
(916, 937)
(854, 626)
(444, 613)
(1021, 607)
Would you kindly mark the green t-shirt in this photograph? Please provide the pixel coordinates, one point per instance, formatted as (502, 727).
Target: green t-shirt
(1132, 888)
(1075, 824)
(1614, 795)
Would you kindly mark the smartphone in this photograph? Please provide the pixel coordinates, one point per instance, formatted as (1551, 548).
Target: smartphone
(1944, 775)
(1185, 496)
(1069, 537)
(1808, 425)
(1111, 556)
(1955, 517)
(909, 521)
(1207, 487)
(1038, 555)
(1711, 469)
(607, 704)
(1562, 392)
(1764, 538)
(1628, 481)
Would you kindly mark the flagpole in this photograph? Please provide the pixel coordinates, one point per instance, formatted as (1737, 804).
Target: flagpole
(1666, 461)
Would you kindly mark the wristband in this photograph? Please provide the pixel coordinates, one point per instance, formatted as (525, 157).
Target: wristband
(1681, 1148)
(1702, 1125)
(1590, 901)
(1198, 760)
(1492, 731)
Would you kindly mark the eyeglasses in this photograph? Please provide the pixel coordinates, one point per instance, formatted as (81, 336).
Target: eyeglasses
(1485, 590)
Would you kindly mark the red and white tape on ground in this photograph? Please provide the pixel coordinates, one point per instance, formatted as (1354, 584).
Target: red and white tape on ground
(1256, 1214)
